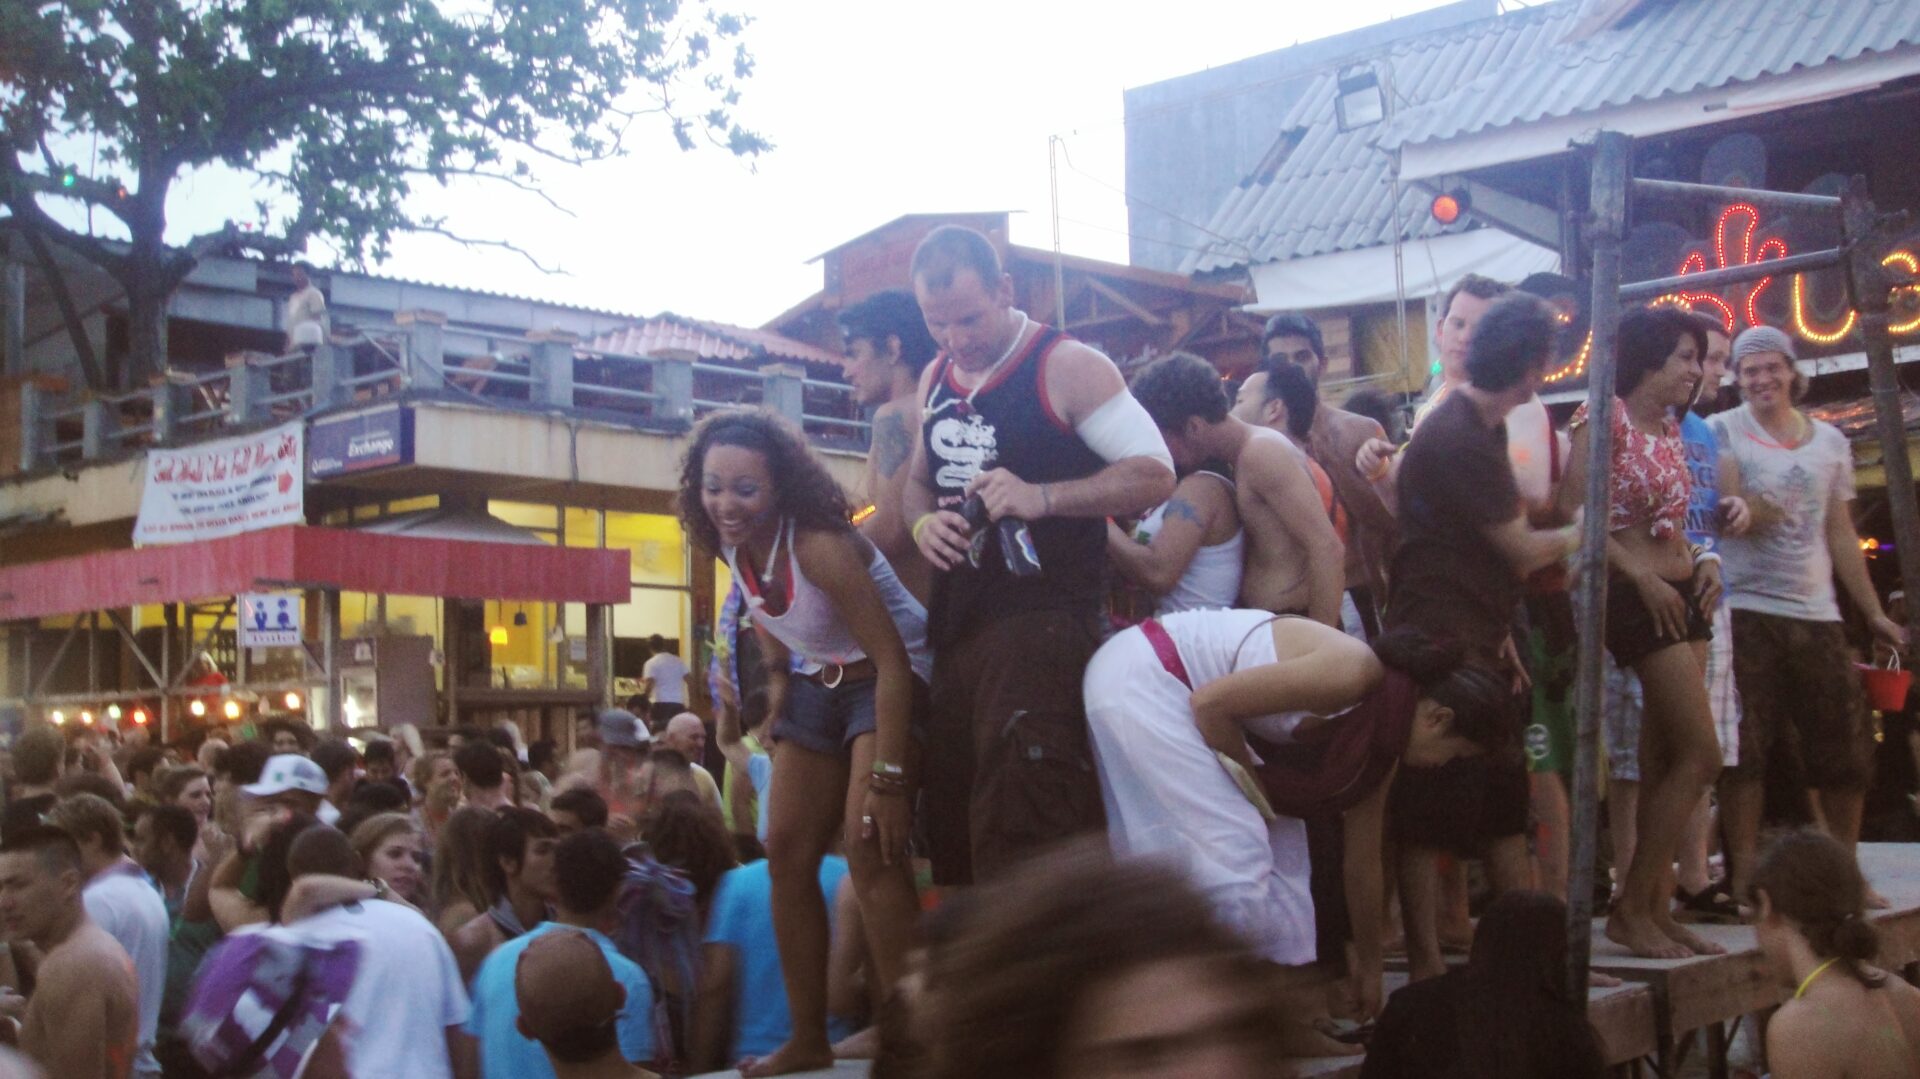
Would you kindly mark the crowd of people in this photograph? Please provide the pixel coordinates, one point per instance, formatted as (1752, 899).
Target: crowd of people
(967, 807)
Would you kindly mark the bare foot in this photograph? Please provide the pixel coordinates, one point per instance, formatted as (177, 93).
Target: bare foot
(1642, 937)
(1692, 942)
(862, 1046)
(1603, 981)
(1304, 1040)
(1876, 901)
(788, 1059)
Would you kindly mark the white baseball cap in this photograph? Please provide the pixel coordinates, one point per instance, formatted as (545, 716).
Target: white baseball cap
(288, 772)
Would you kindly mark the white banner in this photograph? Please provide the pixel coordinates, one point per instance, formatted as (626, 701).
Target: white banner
(269, 619)
(224, 488)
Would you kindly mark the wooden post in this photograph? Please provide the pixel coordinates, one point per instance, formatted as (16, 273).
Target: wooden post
(1612, 163)
(553, 366)
(1872, 294)
(13, 308)
(599, 655)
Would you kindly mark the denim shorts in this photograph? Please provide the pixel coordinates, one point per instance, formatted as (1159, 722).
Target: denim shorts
(827, 721)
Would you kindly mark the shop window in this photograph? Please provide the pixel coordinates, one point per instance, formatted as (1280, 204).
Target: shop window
(526, 515)
(413, 505)
(648, 611)
(656, 547)
(518, 648)
(582, 527)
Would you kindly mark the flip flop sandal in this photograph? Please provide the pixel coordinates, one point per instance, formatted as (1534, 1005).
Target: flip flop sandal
(1712, 905)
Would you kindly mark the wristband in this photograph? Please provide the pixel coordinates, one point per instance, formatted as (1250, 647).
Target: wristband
(1704, 557)
(918, 524)
(889, 769)
(1380, 473)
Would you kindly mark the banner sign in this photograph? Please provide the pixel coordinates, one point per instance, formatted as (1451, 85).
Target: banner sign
(269, 619)
(360, 441)
(223, 488)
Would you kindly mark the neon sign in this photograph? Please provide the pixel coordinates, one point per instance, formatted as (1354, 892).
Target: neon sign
(1733, 245)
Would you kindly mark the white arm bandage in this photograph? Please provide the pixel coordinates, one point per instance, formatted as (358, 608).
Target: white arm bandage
(1120, 428)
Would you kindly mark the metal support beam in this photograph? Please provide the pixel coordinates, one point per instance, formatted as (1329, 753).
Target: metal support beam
(1778, 200)
(1711, 280)
(330, 658)
(1872, 293)
(1612, 161)
(1504, 210)
(59, 654)
(599, 655)
(133, 646)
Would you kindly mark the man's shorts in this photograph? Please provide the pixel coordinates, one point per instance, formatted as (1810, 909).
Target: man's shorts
(1547, 648)
(827, 720)
(1798, 689)
(1465, 804)
(1011, 769)
(1626, 705)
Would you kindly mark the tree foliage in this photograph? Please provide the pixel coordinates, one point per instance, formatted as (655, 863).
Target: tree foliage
(339, 109)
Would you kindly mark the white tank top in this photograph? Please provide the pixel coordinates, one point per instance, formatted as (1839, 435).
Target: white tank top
(810, 627)
(1214, 644)
(1212, 579)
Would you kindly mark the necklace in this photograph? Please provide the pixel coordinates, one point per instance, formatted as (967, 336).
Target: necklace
(966, 403)
(1817, 971)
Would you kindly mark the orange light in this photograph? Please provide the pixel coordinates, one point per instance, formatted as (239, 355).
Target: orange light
(864, 512)
(1446, 209)
(58, 717)
(86, 718)
(233, 709)
(140, 717)
(293, 701)
(197, 707)
(497, 636)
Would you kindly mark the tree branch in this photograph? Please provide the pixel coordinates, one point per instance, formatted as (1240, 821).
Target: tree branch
(69, 311)
(468, 241)
(488, 174)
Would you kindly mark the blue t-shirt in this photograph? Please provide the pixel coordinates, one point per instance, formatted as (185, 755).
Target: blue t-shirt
(505, 1053)
(1703, 461)
(742, 916)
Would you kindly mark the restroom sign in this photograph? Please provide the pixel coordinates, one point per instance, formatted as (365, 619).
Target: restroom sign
(269, 619)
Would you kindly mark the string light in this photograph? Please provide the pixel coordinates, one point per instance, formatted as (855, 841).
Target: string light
(864, 512)
(197, 707)
(1579, 365)
(232, 709)
(140, 717)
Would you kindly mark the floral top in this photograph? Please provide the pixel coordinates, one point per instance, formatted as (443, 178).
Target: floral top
(1650, 484)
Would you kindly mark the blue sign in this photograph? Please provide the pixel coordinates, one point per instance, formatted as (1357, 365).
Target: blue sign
(360, 441)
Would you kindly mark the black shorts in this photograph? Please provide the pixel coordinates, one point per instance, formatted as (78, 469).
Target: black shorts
(1632, 634)
(1010, 766)
(1460, 806)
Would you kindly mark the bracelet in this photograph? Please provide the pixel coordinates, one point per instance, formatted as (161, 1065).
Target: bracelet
(887, 792)
(1380, 473)
(1704, 557)
(889, 769)
(887, 784)
(918, 524)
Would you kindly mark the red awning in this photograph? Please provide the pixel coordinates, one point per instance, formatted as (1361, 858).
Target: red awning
(299, 556)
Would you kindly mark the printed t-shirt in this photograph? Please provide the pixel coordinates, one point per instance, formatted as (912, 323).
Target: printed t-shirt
(405, 995)
(1786, 569)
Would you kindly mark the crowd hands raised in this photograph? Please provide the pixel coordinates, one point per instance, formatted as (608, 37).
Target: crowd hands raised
(981, 813)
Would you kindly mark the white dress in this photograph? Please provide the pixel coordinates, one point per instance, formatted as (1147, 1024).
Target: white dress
(1168, 797)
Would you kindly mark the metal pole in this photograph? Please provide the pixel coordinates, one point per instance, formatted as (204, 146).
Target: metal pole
(1872, 296)
(1059, 271)
(1733, 275)
(330, 658)
(1607, 224)
(1777, 200)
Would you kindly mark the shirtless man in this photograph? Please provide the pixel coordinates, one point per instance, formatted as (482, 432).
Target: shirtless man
(887, 346)
(1333, 440)
(1295, 559)
(83, 1020)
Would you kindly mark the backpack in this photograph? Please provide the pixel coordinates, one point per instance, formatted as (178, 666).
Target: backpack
(262, 1000)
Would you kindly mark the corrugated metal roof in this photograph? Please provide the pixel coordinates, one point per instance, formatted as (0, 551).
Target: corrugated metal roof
(708, 340)
(1331, 192)
(1669, 47)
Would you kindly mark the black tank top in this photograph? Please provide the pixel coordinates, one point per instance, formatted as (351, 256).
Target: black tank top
(1009, 424)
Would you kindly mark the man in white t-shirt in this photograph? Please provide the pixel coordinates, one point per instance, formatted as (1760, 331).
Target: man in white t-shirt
(306, 312)
(404, 1018)
(1791, 662)
(664, 681)
(121, 899)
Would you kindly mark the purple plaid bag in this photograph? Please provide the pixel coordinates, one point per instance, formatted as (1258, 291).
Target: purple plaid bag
(262, 1000)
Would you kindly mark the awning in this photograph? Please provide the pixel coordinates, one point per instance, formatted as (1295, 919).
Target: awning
(1365, 276)
(309, 557)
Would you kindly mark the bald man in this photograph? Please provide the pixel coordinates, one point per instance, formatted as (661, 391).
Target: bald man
(686, 734)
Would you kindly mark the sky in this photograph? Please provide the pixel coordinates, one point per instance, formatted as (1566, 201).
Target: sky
(876, 109)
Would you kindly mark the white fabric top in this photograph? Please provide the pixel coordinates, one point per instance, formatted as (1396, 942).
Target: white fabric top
(1214, 644)
(1212, 579)
(1786, 570)
(813, 631)
(669, 676)
(405, 995)
(307, 306)
(123, 901)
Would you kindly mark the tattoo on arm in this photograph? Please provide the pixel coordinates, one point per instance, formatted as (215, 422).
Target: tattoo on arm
(892, 444)
(1181, 509)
